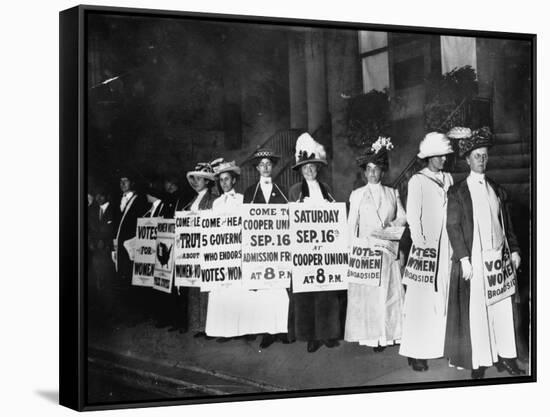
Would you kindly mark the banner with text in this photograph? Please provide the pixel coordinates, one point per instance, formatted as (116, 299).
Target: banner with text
(266, 259)
(318, 235)
(365, 263)
(421, 269)
(500, 276)
(187, 254)
(221, 252)
(145, 251)
(164, 260)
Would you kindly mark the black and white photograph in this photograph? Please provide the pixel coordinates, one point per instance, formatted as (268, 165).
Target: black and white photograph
(277, 207)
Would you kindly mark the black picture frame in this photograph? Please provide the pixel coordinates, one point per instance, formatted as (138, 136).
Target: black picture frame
(73, 121)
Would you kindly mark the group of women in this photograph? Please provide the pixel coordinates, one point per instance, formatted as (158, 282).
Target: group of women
(376, 316)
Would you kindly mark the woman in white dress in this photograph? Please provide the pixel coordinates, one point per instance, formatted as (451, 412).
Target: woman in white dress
(374, 314)
(227, 308)
(425, 309)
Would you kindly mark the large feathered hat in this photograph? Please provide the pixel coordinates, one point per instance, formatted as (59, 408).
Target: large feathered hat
(226, 166)
(377, 154)
(479, 138)
(308, 150)
(204, 170)
(434, 144)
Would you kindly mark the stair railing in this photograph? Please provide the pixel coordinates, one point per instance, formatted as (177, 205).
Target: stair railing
(282, 143)
(456, 118)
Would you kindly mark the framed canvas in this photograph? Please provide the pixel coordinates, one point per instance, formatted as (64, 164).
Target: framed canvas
(256, 208)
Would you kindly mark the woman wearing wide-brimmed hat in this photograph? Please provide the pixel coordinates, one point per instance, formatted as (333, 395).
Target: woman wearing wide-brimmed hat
(314, 317)
(265, 191)
(374, 313)
(270, 305)
(478, 223)
(229, 312)
(425, 308)
(201, 180)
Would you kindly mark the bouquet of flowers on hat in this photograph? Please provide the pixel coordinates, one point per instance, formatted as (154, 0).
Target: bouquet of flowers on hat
(382, 142)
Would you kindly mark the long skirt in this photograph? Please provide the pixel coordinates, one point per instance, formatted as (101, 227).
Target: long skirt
(237, 312)
(425, 312)
(491, 327)
(197, 306)
(374, 314)
(317, 315)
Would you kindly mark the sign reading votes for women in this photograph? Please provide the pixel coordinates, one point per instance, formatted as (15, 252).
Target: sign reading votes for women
(145, 250)
(221, 239)
(164, 259)
(365, 263)
(319, 246)
(188, 250)
(499, 274)
(266, 246)
(421, 269)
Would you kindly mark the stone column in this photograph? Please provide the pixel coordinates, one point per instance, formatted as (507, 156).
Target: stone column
(316, 86)
(297, 80)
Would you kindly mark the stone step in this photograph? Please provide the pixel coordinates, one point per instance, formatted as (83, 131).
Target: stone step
(510, 137)
(511, 148)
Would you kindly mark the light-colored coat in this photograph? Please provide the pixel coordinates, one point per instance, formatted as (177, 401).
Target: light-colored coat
(425, 309)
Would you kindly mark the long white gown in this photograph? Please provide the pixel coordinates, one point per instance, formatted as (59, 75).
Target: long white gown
(374, 314)
(425, 309)
(236, 311)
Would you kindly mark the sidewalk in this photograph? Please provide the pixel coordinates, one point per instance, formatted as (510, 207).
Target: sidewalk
(178, 364)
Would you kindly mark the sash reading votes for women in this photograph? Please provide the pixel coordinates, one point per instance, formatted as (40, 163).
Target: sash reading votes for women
(499, 275)
(365, 263)
(421, 269)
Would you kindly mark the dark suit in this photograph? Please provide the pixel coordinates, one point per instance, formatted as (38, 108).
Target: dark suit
(125, 228)
(253, 194)
(101, 238)
(460, 227)
(170, 204)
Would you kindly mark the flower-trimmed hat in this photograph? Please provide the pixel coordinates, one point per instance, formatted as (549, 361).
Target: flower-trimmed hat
(262, 153)
(434, 144)
(377, 154)
(308, 150)
(224, 166)
(480, 138)
(202, 169)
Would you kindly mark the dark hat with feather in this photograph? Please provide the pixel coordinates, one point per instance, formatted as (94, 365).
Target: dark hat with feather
(377, 154)
(479, 138)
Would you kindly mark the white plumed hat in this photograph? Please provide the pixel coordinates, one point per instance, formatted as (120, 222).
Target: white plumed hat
(435, 144)
(308, 150)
